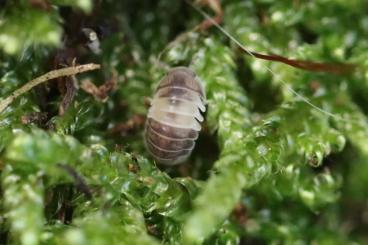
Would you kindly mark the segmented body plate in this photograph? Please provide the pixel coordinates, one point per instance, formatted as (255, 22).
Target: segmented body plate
(173, 120)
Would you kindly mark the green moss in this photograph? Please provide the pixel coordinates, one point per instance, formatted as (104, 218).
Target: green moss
(284, 172)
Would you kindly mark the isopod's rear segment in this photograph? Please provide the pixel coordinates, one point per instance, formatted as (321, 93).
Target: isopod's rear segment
(173, 120)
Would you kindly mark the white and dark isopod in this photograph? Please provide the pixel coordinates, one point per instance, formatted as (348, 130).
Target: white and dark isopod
(173, 120)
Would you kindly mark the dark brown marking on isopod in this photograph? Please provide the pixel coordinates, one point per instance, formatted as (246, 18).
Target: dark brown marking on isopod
(156, 151)
(172, 132)
(182, 77)
(172, 161)
(168, 143)
(177, 92)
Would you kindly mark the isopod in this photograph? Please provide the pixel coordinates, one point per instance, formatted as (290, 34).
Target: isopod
(174, 117)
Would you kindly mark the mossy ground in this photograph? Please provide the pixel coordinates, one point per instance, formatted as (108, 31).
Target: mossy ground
(268, 168)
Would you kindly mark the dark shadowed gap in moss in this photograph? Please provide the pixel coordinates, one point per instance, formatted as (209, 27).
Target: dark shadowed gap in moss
(307, 34)
(333, 162)
(4, 228)
(353, 206)
(252, 241)
(204, 155)
(262, 94)
(359, 92)
(59, 204)
(154, 225)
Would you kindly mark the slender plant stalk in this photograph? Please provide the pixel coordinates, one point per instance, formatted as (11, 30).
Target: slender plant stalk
(69, 71)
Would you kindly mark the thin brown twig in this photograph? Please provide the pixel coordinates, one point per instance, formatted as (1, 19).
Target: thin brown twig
(215, 5)
(70, 92)
(100, 93)
(132, 124)
(69, 71)
(41, 4)
(80, 183)
(336, 68)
